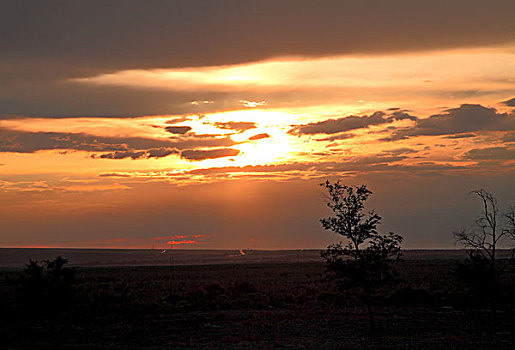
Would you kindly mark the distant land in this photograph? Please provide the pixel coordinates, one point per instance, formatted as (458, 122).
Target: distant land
(18, 257)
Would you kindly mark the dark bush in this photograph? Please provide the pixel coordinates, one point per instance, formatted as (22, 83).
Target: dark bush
(476, 275)
(47, 286)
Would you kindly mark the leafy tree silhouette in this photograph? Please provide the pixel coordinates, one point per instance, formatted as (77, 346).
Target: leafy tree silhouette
(365, 262)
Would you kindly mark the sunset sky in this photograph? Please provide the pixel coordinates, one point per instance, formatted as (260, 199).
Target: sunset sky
(210, 124)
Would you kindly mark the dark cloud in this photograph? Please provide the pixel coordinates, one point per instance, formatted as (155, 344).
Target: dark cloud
(238, 126)
(333, 126)
(130, 34)
(151, 153)
(400, 151)
(38, 97)
(160, 152)
(49, 99)
(123, 154)
(510, 102)
(114, 175)
(461, 136)
(465, 119)
(42, 44)
(259, 137)
(337, 137)
(29, 142)
(491, 153)
(209, 154)
(178, 129)
(401, 115)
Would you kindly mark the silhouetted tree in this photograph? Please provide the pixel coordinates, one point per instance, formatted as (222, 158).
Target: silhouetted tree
(365, 261)
(481, 269)
(509, 230)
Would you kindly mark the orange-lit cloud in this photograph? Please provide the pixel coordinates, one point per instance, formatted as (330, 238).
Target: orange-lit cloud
(184, 242)
(416, 71)
(189, 240)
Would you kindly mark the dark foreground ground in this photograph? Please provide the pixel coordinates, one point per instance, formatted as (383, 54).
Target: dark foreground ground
(251, 306)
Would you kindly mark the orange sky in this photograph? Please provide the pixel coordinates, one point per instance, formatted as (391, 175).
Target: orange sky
(228, 153)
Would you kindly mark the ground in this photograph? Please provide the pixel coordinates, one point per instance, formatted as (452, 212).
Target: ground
(252, 306)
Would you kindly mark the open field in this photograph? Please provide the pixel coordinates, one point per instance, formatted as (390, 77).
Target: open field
(251, 305)
(17, 257)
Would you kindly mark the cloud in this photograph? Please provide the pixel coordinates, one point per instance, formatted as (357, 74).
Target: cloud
(333, 126)
(345, 136)
(510, 102)
(402, 115)
(123, 154)
(115, 175)
(491, 153)
(160, 152)
(252, 104)
(238, 126)
(151, 153)
(400, 151)
(72, 35)
(178, 129)
(259, 137)
(380, 163)
(29, 142)
(187, 239)
(209, 154)
(461, 136)
(43, 45)
(465, 119)
(196, 103)
(509, 137)
(177, 120)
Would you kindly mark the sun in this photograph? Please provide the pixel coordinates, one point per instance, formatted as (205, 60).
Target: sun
(272, 146)
(266, 143)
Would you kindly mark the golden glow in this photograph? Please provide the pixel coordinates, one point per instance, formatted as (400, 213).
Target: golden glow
(341, 84)
(271, 97)
(452, 68)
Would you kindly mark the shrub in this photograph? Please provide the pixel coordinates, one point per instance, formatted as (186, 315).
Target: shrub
(48, 286)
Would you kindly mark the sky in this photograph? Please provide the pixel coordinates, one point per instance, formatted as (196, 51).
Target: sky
(210, 125)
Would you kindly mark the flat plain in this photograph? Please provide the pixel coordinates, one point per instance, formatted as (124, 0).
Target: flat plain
(146, 299)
